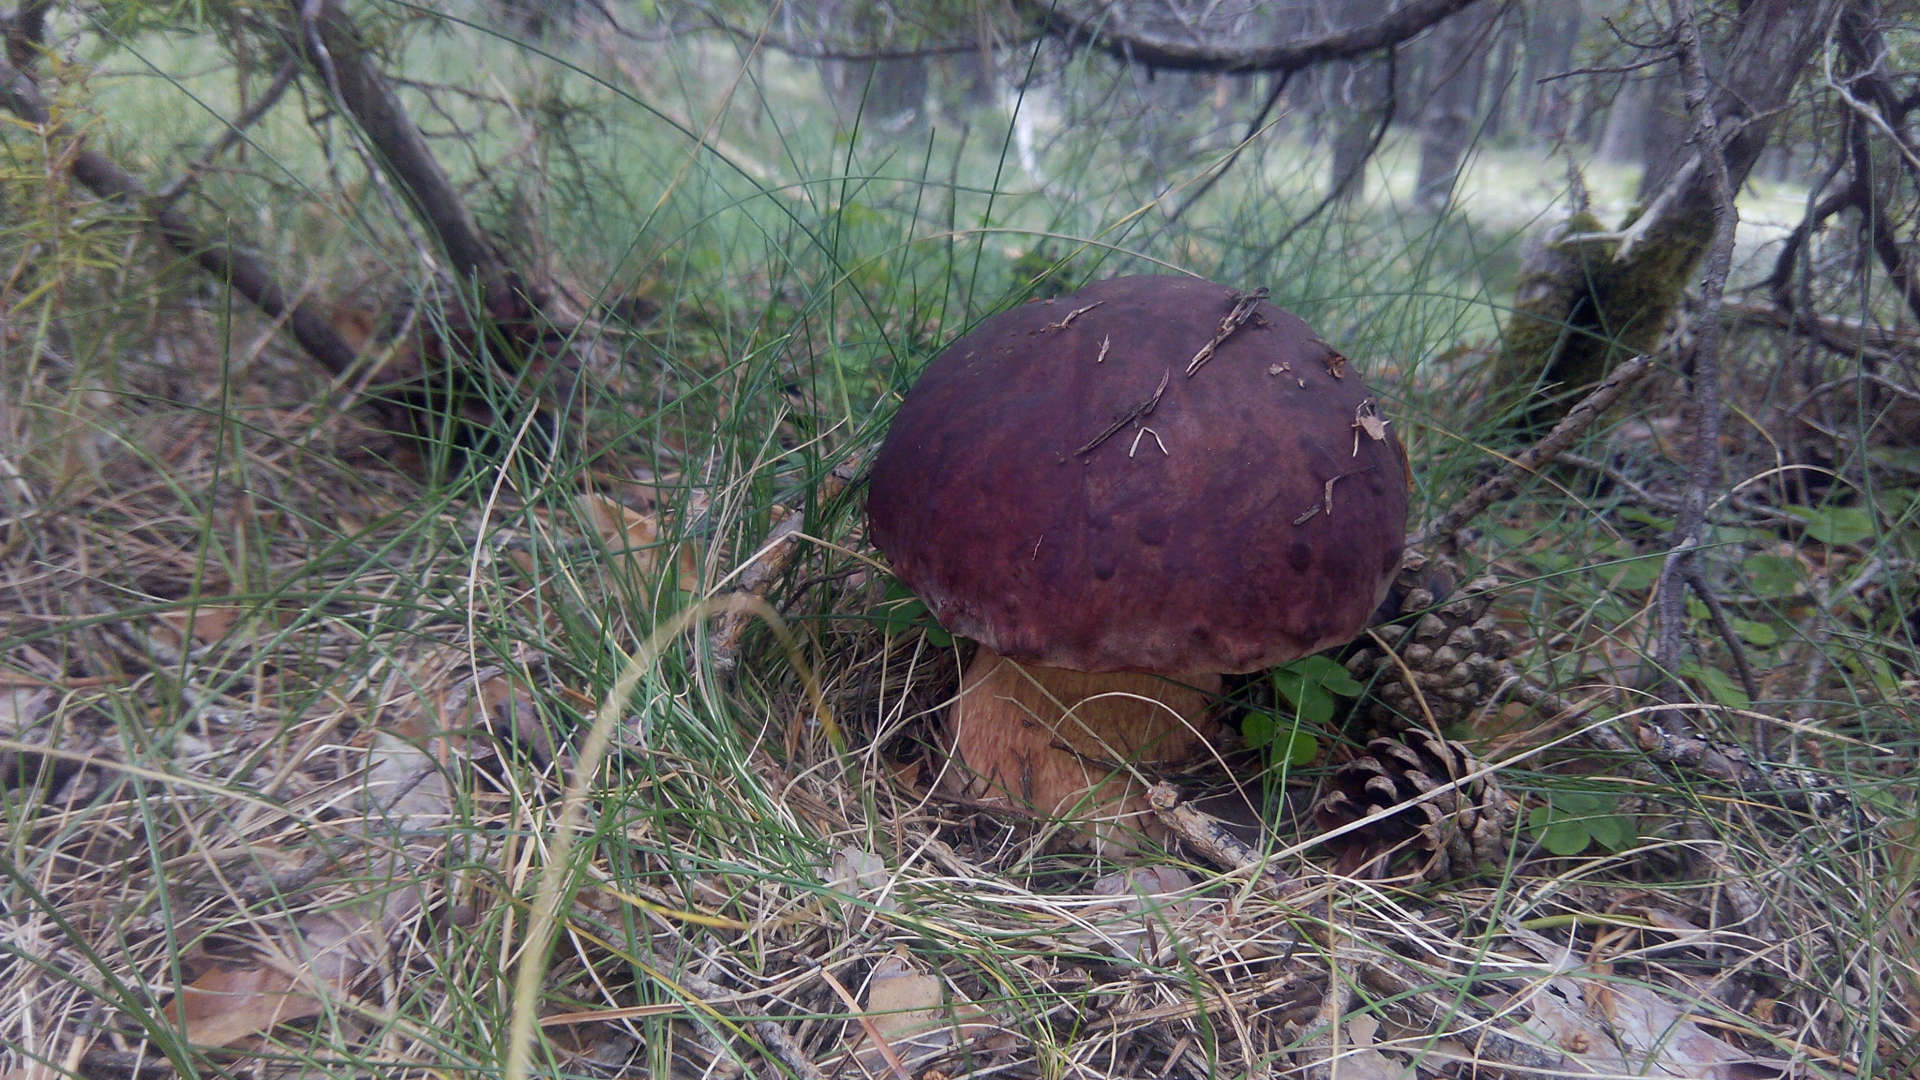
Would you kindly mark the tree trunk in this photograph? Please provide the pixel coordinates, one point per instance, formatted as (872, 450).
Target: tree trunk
(1456, 68)
(1353, 94)
(1500, 86)
(1665, 127)
(1587, 297)
(1624, 137)
(1362, 89)
(1552, 32)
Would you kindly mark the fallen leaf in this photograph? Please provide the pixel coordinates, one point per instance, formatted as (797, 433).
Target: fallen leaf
(1149, 915)
(22, 708)
(909, 1010)
(404, 786)
(226, 1005)
(1621, 1028)
(638, 544)
(1358, 1060)
(207, 623)
(862, 874)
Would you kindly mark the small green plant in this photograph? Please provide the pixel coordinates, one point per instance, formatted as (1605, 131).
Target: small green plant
(1572, 820)
(902, 612)
(1312, 686)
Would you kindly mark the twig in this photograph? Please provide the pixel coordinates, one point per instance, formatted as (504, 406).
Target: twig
(1498, 486)
(1139, 410)
(1340, 186)
(249, 275)
(1319, 1052)
(1659, 500)
(1067, 319)
(332, 43)
(1703, 469)
(1243, 307)
(282, 78)
(1848, 338)
(1792, 789)
(1233, 156)
(788, 1052)
(1696, 577)
(1863, 51)
(1211, 838)
(875, 1037)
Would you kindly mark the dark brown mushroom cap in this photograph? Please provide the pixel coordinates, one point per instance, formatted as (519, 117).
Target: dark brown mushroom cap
(1246, 517)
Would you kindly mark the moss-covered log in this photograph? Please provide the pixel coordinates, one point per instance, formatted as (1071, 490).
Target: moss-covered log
(1582, 303)
(1580, 307)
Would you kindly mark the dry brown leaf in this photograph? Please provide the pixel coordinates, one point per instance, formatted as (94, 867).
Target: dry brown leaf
(226, 1005)
(862, 874)
(909, 1010)
(208, 623)
(637, 543)
(1358, 1060)
(403, 786)
(1149, 916)
(600, 1047)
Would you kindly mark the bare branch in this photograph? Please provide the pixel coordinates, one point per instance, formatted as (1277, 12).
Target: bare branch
(248, 275)
(1862, 50)
(25, 32)
(1219, 171)
(1703, 470)
(1346, 179)
(282, 79)
(333, 45)
(1107, 27)
(1796, 789)
(816, 50)
(1501, 484)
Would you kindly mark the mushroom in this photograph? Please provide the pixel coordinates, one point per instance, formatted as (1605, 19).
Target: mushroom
(1121, 494)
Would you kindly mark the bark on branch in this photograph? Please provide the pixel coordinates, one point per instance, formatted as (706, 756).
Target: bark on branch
(247, 273)
(1588, 298)
(333, 46)
(1111, 27)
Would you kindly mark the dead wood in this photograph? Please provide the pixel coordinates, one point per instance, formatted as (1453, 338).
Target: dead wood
(1443, 529)
(1120, 31)
(336, 50)
(249, 275)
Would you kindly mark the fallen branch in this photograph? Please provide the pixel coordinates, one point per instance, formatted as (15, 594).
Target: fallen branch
(248, 275)
(1792, 789)
(1213, 841)
(1498, 486)
(1846, 337)
(1107, 27)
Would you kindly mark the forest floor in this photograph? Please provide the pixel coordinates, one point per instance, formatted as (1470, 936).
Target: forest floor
(322, 755)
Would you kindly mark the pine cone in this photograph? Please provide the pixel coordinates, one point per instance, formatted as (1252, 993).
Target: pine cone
(1454, 648)
(1448, 835)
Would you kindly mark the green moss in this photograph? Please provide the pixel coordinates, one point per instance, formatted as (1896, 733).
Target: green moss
(1579, 308)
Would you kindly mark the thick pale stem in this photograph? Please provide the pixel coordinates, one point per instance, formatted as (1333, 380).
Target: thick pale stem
(1066, 743)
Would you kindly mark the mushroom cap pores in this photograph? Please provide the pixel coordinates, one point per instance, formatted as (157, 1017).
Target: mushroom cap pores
(1253, 514)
